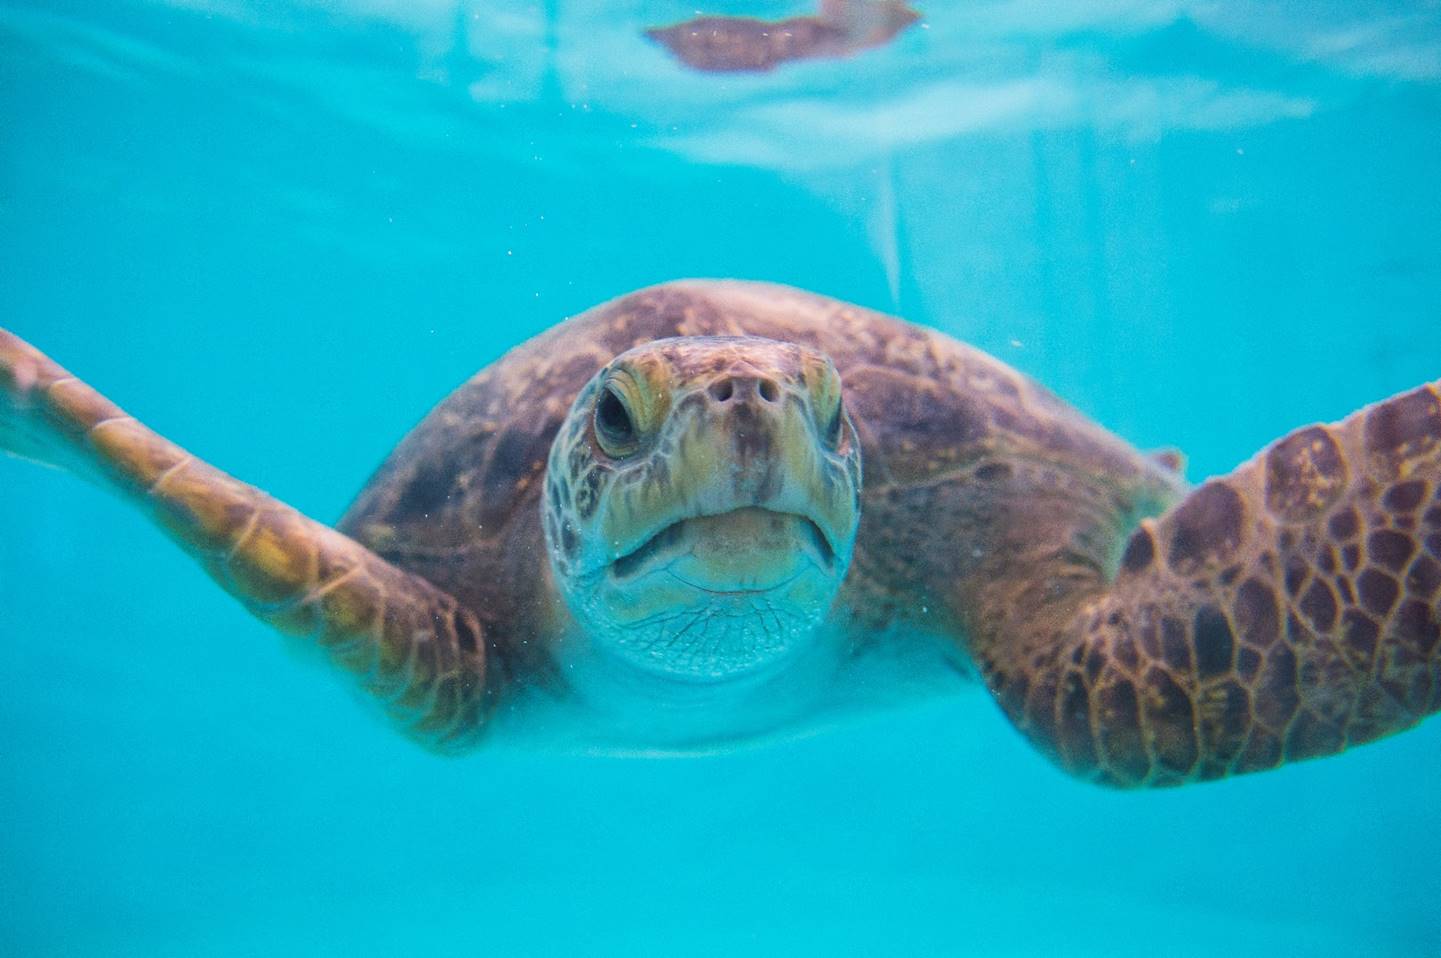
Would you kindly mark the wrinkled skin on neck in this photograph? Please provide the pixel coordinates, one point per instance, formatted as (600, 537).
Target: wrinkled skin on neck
(702, 500)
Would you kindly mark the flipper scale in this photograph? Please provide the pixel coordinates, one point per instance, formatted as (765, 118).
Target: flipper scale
(406, 640)
(1286, 611)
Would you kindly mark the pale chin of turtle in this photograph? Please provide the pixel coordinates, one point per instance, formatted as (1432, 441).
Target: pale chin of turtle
(716, 598)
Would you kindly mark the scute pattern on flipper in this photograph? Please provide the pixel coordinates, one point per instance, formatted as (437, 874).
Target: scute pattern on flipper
(1296, 612)
(1305, 474)
(405, 640)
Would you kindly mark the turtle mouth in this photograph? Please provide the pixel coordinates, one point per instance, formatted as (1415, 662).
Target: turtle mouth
(733, 537)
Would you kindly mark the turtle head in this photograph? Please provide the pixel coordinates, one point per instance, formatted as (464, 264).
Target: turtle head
(701, 504)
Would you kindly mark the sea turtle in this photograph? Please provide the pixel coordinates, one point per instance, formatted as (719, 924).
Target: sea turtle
(647, 529)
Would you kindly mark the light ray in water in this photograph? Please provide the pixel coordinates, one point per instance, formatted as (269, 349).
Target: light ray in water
(883, 227)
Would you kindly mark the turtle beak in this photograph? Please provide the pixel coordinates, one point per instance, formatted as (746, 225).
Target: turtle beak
(741, 540)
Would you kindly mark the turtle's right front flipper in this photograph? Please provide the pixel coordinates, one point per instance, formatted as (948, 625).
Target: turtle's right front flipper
(408, 642)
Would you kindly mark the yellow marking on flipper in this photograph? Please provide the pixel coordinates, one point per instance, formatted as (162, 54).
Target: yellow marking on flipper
(238, 542)
(326, 587)
(202, 512)
(275, 562)
(133, 453)
(158, 486)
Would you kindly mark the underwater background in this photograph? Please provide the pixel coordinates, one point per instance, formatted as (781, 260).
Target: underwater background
(278, 232)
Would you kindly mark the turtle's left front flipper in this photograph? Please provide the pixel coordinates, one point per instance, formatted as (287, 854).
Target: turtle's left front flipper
(1286, 611)
(408, 642)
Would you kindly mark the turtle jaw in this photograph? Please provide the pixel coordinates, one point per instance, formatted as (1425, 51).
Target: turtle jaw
(718, 597)
(739, 551)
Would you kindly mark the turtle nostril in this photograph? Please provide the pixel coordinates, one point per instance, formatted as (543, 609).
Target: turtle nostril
(722, 390)
(769, 391)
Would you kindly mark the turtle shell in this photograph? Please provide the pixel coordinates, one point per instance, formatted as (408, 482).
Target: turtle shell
(963, 457)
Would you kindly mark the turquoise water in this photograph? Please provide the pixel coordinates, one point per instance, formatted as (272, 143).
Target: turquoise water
(279, 232)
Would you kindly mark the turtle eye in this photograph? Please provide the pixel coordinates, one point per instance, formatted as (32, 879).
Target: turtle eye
(614, 427)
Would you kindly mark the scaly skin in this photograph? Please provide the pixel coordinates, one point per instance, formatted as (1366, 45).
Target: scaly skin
(1286, 611)
(406, 641)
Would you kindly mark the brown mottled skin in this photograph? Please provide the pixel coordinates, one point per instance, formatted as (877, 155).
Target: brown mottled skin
(1136, 634)
(724, 44)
